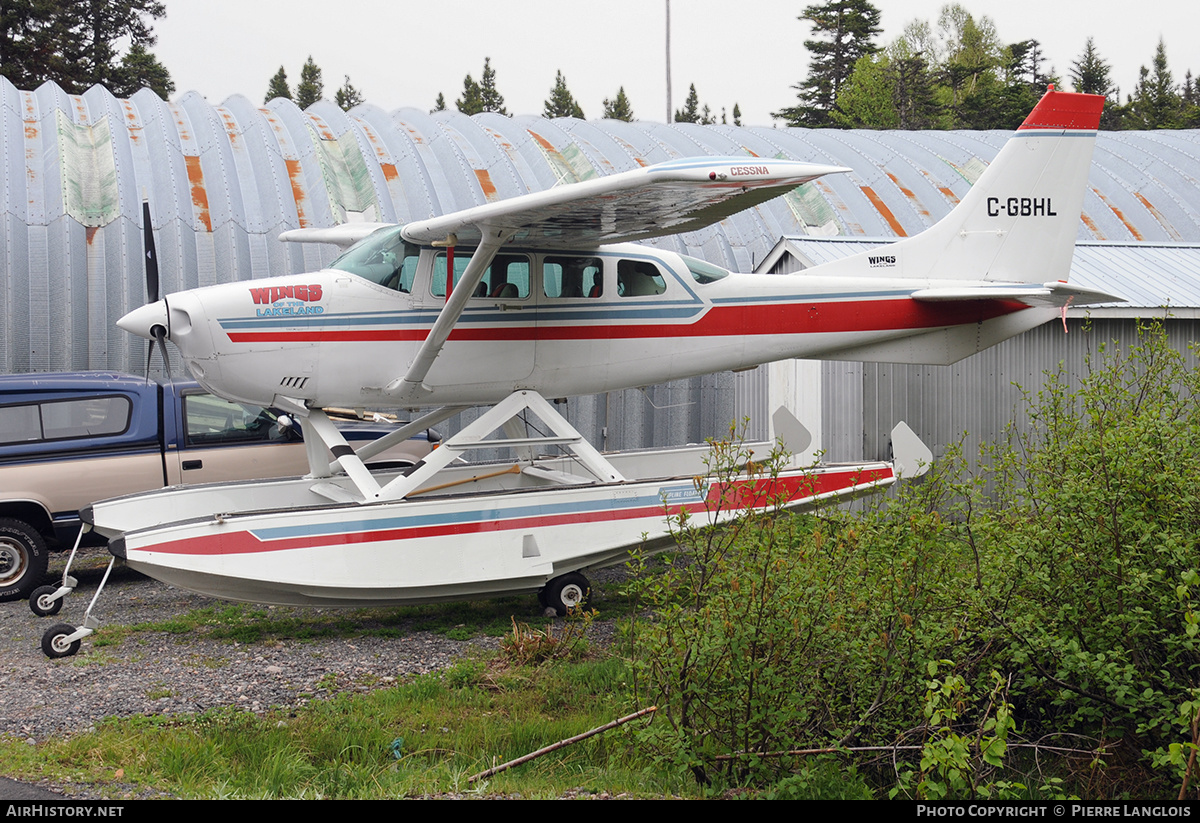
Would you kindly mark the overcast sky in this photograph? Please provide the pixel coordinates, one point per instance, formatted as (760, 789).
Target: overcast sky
(401, 53)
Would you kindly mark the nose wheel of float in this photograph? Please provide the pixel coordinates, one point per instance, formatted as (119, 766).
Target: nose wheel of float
(63, 639)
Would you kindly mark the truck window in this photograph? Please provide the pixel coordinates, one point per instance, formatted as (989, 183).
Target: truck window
(64, 419)
(211, 421)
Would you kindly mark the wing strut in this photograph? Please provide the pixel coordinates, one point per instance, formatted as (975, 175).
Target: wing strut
(410, 388)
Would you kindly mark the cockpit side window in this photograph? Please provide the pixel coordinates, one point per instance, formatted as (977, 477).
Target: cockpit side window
(506, 279)
(573, 277)
(639, 278)
(382, 258)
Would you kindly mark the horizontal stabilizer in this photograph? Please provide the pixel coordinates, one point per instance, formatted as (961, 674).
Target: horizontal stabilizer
(344, 236)
(1056, 294)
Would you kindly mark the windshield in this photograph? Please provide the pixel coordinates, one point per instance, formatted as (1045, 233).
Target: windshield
(702, 271)
(382, 258)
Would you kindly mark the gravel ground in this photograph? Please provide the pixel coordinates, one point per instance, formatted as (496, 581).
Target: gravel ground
(157, 673)
(161, 673)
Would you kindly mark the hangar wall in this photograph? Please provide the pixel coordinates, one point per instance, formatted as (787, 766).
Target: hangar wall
(224, 180)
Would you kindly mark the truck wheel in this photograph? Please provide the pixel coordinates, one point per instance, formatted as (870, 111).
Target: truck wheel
(566, 592)
(40, 602)
(23, 559)
(54, 641)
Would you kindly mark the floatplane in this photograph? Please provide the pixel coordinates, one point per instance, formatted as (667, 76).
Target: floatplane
(547, 295)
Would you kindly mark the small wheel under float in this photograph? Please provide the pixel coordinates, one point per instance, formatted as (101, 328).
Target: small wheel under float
(55, 643)
(565, 592)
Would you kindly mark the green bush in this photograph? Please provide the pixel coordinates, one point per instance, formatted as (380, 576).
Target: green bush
(1095, 528)
(1068, 569)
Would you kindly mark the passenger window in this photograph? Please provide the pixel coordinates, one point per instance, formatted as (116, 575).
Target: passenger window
(507, 277)
(639, 278)
(573, 277)
(210, 420)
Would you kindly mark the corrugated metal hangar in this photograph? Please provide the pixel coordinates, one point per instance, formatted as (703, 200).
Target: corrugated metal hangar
(225, 180)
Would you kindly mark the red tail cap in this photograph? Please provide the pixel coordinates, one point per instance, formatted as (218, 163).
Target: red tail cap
(1066, 110)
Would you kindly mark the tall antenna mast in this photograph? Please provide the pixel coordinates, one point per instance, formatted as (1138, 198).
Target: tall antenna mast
(668, 61)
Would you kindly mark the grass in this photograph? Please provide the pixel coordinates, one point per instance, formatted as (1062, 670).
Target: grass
(242, 623)
(425, 736)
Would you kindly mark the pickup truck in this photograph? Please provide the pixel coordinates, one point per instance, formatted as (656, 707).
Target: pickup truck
(70, 439)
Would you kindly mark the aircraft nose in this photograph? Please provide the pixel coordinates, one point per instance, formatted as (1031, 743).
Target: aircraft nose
(141, 321)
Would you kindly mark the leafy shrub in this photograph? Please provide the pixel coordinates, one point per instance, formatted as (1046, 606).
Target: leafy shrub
(1096, 529)
(1068, 569)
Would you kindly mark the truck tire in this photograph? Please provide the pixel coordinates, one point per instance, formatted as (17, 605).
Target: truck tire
(23, 559)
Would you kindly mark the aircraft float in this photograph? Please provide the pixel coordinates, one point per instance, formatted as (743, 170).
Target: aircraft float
(546, 295)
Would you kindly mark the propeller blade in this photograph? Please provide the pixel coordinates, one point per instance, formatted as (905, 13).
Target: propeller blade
(151, 256)
(161, 337)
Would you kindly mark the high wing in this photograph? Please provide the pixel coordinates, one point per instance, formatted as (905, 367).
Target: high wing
(666, 198)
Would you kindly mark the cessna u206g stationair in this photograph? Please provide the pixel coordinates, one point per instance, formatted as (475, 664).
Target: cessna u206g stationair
(540, 296)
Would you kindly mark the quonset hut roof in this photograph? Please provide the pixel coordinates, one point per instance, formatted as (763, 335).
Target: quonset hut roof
(224, 181)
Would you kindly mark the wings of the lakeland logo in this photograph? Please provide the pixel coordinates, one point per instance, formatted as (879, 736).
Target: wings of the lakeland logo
(283, 301)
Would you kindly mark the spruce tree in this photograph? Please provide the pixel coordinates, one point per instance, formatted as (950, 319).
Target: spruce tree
(278, 87)
(1090, 73)
(311, 88)
(471, 101)
(690, 113)
(618, 108)
(846, 30)
(561, 103)
(141, 69)
(489, 95)
(737, 115)
(347, 97)
(439, 104)
(1156, 103)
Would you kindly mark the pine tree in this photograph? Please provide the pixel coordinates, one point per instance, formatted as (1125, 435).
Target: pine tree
(439, 104)
(489, 96)
(347, 97)
(1090, 73)
(311, 88)
(561, 103)
(737, 115)
(141, 69)
(847, 29)
(618, 108)
(278, 87)
(690, 113)
(471, 101)
(1156, 104)
(78, 44)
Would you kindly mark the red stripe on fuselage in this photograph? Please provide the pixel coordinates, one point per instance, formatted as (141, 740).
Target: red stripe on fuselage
(745, 494)
(782, 318)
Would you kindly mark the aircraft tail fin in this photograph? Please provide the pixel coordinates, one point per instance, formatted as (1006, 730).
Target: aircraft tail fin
(1019, 221)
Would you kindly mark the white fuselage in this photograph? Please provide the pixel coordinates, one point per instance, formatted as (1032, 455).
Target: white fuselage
(640, 317)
